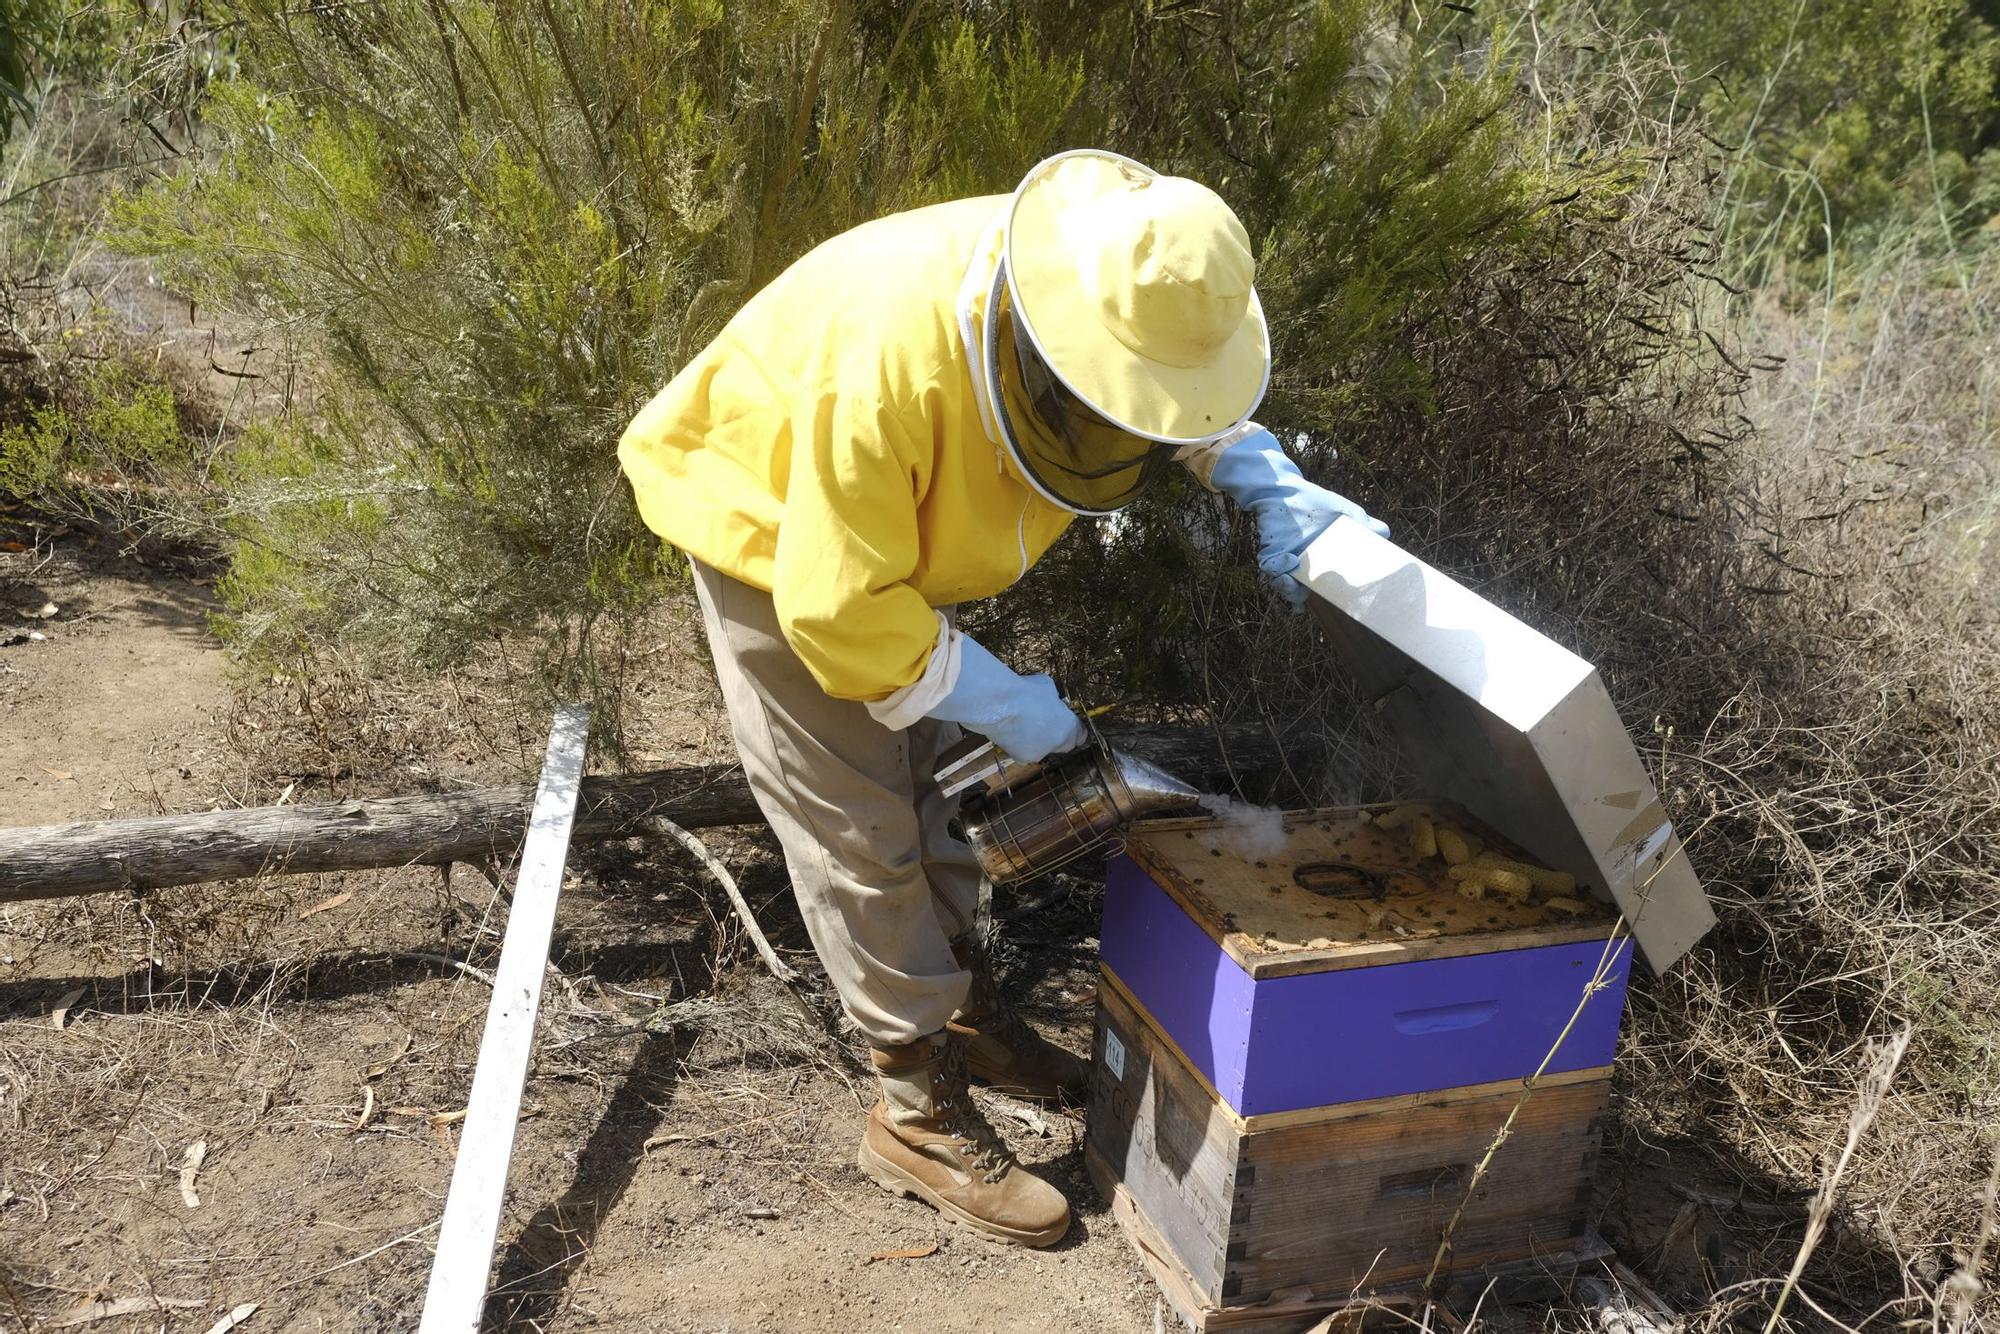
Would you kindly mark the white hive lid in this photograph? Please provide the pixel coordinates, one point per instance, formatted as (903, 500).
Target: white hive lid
(1503, 721)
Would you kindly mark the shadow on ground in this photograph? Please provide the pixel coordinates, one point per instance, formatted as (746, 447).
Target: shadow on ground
(535, 1270)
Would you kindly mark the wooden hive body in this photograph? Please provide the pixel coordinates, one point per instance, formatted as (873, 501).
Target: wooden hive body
(1303, 1057)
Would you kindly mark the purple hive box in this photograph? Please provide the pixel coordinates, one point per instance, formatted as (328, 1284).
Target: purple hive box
(1335, 966)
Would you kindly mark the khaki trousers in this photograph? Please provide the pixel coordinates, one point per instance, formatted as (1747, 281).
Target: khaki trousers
(882, 885)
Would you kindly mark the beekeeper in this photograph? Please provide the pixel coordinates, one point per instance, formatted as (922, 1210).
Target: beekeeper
(902, 421)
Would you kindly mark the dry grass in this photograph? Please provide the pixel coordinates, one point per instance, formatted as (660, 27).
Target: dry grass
(104, 1111)
(1846, 786)
(679, 1102)
(328, 726)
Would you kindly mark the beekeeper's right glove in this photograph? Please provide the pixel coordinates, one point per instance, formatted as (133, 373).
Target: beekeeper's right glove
(1257, 474)
(1024, 715)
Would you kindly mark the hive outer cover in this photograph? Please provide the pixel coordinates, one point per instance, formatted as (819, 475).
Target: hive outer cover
(1506, 723)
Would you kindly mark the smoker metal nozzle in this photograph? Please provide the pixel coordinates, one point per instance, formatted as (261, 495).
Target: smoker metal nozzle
(1145, 789)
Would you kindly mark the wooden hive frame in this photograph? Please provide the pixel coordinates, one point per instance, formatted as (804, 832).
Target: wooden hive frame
(1274, 927)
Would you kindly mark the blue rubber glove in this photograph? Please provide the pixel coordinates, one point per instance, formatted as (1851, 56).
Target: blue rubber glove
(1257, 474)
(1024, 715)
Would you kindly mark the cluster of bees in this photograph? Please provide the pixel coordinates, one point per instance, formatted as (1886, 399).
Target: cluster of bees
(1478, 870)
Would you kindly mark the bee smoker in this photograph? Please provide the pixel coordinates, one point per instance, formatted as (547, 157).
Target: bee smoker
(1023, 820)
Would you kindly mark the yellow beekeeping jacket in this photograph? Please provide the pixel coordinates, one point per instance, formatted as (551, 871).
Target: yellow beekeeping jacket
(827, 447)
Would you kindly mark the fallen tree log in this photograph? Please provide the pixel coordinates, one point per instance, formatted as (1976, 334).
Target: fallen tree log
(482, 825)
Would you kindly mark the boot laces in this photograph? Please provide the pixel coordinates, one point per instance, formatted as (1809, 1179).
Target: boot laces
(979, 1141)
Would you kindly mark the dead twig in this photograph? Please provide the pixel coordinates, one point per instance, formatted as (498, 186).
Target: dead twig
(1600, 978)
(781, 970)
(1867, 1102)
(1961, 1291)
(482, 976)
(446, 961)
(359, 1259)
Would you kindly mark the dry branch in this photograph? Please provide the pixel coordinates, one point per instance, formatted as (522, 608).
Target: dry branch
(781, 970)
(58, 861)
(1867, 1102)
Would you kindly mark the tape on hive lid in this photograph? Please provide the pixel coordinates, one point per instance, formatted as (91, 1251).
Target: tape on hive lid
(1504, 721)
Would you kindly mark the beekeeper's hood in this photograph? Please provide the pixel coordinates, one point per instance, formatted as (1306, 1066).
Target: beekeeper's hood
(1121, 326)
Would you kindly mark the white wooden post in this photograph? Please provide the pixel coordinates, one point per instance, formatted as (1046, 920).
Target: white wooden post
(457, 1294)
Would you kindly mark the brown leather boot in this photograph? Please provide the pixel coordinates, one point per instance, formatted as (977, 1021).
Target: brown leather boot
(927, 1140)
(1000, 1048)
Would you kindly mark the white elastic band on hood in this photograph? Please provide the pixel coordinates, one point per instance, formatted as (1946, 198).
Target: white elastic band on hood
(969, 290)
(916, 700)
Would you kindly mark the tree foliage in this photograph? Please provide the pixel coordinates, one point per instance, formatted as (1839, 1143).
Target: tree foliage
(26, 27)
(1843, 114)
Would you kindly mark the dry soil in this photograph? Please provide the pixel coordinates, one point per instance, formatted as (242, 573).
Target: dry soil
(699, 1179)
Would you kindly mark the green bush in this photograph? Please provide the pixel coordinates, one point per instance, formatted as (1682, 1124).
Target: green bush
(505, 225)
(102, 436)
(26, 27)
(1848, 115)
(44, 43)
(1487, 295)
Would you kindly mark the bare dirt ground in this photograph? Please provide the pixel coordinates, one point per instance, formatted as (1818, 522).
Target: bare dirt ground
(699, 1179)
(110, 690)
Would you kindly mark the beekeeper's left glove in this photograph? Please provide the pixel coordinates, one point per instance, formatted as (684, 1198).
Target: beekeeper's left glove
(1257, 474)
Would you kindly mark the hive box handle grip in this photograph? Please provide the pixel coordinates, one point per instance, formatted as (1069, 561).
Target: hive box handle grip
(1445, 1018)
(1427, 1183)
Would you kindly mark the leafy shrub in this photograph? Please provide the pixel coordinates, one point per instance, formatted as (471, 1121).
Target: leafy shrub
(25, 29)
(47, 42)
(100, 435)
(1854, 115)
(1489, 297)
(505, 226)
